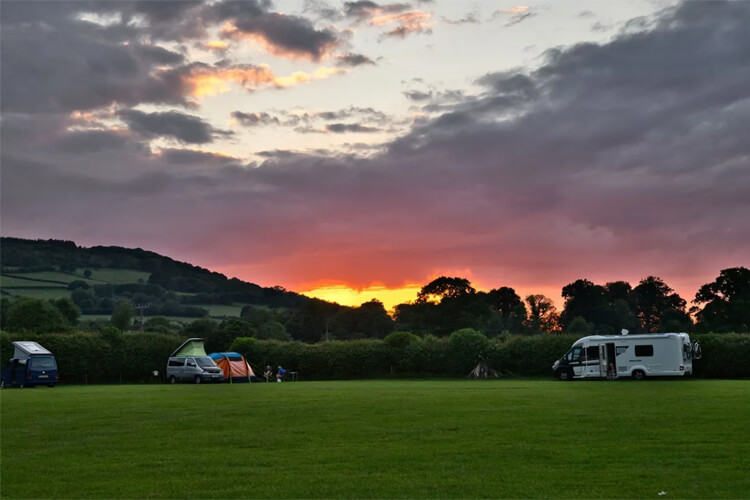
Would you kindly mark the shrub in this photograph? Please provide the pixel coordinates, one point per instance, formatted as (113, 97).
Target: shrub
(466, 348)
(400, 339)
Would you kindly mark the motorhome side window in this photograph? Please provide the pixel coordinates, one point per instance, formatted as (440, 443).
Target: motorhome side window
(592, 352)
(644, 350)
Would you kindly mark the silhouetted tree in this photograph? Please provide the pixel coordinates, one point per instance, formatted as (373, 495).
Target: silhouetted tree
(726, 302)
(656, 306)
(543, 317)
(444, 287)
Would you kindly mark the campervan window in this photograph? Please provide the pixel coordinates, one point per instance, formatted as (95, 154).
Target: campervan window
(204, 362)
(592, 352)
(44, 363)
(191, 362)
(644, 350)
(177, 362)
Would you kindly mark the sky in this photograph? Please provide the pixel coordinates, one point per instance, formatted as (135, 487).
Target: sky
(358, 150)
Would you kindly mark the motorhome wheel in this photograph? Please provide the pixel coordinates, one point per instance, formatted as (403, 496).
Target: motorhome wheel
(172, 379)
(639, 374)
(564, 375)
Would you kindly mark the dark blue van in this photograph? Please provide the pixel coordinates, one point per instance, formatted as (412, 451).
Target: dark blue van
(31, 365)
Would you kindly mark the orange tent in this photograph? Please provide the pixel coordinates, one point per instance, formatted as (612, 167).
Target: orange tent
(234, 366)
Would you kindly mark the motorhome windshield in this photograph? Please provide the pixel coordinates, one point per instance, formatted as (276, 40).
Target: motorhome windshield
(573, 354)
(205, 362)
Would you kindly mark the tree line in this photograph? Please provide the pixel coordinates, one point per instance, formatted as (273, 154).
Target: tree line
(443, 306)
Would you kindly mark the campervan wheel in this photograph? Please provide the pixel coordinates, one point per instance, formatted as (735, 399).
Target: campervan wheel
(197, 379)
(172, 379)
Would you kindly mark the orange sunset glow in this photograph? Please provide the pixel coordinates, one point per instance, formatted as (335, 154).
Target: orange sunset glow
(348, 296)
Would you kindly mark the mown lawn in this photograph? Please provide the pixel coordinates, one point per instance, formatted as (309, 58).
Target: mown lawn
(379, 439)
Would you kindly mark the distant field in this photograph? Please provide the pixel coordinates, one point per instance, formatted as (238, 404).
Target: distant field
(39, 293)
(12, 281)
(54, 276)
(223, 310)
(107, 317)
(116, 276)
(379, 439)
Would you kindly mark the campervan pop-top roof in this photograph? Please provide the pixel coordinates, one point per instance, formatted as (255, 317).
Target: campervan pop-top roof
(26, 348)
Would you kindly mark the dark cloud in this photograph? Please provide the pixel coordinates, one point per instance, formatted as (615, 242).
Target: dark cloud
(417, 95)
(520, 17)
(75, 66)
(470, 18)
(255, 119)
(159, 55)
(365, 9)
(352, 60)
(186, 128)
(284, 35)
(88, 141)
(322, 10)
(189, 157)
(340, 128)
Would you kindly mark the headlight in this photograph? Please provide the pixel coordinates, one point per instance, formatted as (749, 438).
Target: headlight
(556, 364)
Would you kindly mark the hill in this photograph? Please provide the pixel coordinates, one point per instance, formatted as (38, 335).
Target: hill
(96, 278)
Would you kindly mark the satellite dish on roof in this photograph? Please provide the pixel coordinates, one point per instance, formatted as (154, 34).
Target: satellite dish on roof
(624, 331)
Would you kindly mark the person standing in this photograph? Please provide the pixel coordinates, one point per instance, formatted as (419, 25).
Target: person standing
(280, 374)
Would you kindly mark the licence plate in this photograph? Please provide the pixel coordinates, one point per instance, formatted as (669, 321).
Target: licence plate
(43, 376)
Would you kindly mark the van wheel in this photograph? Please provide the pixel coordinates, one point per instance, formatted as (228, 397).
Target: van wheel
(564, 375)
(172, 379)
(639, 375)
(197, 379)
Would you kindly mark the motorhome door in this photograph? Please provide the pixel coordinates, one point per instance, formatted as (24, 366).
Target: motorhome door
(607, 360)
(603, 360)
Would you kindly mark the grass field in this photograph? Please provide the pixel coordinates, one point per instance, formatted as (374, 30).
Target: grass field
(40, 293)
(233, 310)
(115, 276)
(379, 439)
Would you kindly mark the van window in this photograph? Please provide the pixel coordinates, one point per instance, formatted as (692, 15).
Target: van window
(592, 352)
(43, 363)
(205, 362)
(191, 362)
(177, 362)
(644, 350)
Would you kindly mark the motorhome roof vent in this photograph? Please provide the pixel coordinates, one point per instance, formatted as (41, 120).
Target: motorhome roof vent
(624, 331)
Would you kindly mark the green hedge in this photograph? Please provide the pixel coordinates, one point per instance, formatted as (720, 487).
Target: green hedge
(87, 358)
(95, 358)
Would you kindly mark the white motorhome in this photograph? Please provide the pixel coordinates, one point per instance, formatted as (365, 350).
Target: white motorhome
(637, 356)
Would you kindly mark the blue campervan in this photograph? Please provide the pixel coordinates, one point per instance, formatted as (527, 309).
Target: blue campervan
(31, 365)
